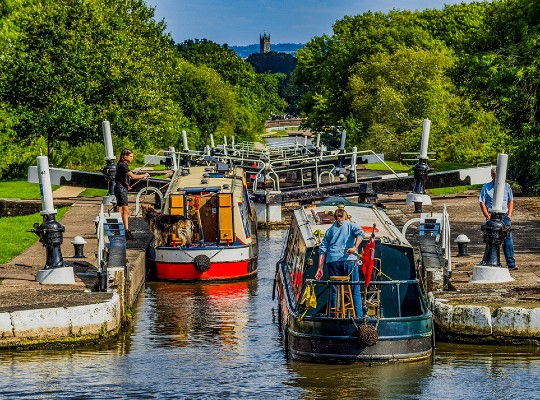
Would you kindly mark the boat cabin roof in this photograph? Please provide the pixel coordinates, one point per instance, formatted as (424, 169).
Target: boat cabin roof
(313, 218)
(205, 178)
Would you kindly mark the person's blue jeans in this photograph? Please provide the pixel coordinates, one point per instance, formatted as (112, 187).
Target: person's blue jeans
(344, 268)
(508, 245)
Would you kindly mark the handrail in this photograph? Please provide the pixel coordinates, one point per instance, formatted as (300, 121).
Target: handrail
(358, 283)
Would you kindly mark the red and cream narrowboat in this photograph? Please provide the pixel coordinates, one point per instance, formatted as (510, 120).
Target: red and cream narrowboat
(224, 241)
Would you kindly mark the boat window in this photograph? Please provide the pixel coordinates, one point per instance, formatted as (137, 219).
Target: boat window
(290, 246)
(325, 217)
(244, 213)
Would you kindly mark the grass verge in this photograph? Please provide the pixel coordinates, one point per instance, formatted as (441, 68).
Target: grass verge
(452, 190)
(379, 166)
(21, 190)
(14, 236)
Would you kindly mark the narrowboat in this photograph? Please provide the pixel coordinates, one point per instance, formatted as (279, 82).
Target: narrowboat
(395, 323)
(223, 243)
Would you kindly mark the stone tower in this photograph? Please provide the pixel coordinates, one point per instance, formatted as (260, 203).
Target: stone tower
(264, 43)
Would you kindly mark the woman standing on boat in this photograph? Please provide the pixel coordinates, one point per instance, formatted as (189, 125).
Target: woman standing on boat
(121, 187)
(339, 248)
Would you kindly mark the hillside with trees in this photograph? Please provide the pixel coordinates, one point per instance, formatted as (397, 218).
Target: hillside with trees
(470, 68)
(67, 66)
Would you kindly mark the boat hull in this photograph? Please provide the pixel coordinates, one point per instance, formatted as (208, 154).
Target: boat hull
(226, 263)
(305, 346)
(336, 340)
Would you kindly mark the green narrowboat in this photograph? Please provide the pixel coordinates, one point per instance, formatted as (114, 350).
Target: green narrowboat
(396, 324)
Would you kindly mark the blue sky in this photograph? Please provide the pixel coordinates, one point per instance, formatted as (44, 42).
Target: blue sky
(239, 22)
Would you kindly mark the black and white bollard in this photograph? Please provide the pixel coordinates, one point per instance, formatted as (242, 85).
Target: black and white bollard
(50, 233)
(78, 243)
(495, 231)
(462, 241)
(109, 170)
(418, 196)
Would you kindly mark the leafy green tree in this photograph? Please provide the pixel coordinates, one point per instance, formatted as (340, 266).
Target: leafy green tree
(499, 68)
(257, 94)
(207, 100)
(324, 63)
(75, 63)
(272, 62)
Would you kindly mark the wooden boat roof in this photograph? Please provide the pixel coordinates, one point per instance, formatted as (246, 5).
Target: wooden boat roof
(207, 177)
(314, 220)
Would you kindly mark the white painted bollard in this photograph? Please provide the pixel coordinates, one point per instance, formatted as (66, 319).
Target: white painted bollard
(107, 139)
(110, 169)
(184, 139)
(50, 233)
(425, 139)
(47, 207)
(500, 183)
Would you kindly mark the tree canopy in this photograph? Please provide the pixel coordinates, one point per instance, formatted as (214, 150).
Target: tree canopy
(68, 65)
(470, 68)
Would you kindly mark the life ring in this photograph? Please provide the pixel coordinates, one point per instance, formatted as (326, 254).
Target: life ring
(202, 263)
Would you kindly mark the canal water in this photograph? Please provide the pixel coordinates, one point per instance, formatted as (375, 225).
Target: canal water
(205, 341)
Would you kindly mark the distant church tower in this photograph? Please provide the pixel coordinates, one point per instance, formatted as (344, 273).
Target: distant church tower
(264, 43)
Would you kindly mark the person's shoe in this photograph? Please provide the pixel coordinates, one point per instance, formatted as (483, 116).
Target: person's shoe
(514, 268)
(129, 235)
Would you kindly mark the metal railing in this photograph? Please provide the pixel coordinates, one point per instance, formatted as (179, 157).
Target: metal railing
(394, 283)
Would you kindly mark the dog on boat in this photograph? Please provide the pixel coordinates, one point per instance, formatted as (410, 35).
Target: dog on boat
(164, 225)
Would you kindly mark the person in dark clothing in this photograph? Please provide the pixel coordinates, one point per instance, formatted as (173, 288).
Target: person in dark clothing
(122, 186)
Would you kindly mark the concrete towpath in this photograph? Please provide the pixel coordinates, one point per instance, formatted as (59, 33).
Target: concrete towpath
(475, 312)
(32, 313)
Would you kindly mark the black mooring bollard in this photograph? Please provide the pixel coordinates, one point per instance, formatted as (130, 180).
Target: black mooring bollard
(495, 233)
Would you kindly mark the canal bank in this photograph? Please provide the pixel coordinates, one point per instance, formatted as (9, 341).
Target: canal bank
(36, 315)
(496, 313)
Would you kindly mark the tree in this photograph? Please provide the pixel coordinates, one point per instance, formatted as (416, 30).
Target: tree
(272, 63)
(76, 63)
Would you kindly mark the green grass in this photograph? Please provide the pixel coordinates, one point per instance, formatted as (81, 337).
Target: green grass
(381, 167)
(452, 190)
(449, 166)
(14, 238)
(91, 192)
(21, 190)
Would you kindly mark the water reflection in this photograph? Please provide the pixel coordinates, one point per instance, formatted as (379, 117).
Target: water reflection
(379, 381)
(192, 314)
(207, 341)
